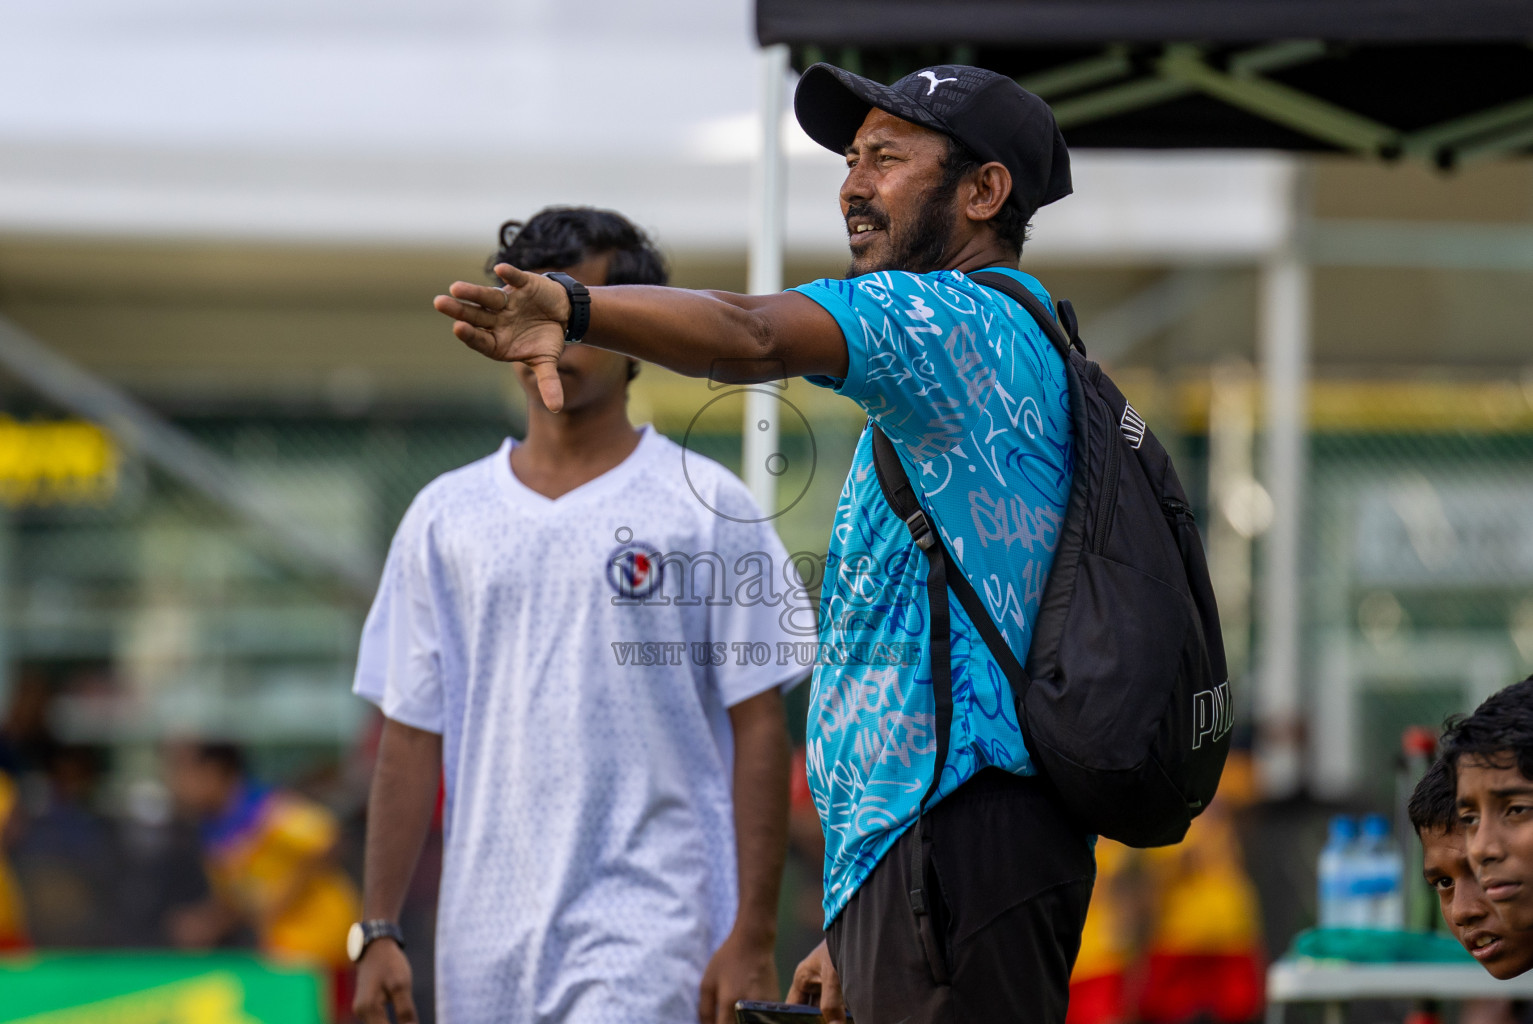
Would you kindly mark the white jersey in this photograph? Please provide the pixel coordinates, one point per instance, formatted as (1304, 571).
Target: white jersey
(578, 657)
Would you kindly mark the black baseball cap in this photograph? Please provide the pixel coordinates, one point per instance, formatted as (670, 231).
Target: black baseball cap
(990, 113)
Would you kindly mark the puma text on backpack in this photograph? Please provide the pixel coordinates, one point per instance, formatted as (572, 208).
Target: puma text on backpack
(1124, 702)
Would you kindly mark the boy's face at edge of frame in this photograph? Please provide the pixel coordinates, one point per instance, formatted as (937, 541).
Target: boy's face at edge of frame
(1495, 805)
(1467, 911)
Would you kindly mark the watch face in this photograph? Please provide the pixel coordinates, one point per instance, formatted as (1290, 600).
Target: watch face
(354, 942)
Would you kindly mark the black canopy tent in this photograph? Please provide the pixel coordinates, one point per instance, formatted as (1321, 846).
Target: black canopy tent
(1424, 79)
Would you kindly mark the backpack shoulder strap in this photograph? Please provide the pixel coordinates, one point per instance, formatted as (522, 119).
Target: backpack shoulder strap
(901, 496)
(1051, 328)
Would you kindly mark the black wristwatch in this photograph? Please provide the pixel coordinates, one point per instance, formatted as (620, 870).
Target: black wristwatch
(580, 306)
(365, 933)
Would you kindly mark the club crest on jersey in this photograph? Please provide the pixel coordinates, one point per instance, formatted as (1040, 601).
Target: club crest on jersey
(634, 570)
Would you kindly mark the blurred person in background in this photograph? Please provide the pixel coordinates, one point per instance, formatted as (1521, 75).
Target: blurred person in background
(1204, 952)
(160, 866)
(1109, 941)
(26, 738)
(269, 860)
(66, 855)
(60, 848)
(13, 931)
(615, 829)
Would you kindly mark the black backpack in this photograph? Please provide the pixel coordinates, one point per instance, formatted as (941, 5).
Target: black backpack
(1124, 703)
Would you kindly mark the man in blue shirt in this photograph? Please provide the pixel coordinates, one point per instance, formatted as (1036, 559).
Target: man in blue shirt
(944, 170)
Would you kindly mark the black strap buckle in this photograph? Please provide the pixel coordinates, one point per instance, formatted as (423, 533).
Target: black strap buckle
(580, 306)
(920, 530)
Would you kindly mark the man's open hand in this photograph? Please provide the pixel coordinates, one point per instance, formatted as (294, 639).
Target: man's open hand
(816, 982)
(741, 969)
(520, 323)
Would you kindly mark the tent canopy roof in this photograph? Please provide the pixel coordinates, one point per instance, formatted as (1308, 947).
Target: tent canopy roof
(1057, 22)
(1421, 79)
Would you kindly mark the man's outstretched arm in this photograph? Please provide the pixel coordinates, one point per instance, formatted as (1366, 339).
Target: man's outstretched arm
(695, 333)
(743, 967)
(399, 810)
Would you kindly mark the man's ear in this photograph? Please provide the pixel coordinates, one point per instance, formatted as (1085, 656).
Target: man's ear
(991, 187)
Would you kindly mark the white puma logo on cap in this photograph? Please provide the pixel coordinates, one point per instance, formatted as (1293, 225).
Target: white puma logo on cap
(931, 76)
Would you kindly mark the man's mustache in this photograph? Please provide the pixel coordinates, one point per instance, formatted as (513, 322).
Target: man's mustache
(873, 215)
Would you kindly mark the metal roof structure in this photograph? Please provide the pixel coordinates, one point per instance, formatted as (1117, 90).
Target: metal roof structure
(1413, 79)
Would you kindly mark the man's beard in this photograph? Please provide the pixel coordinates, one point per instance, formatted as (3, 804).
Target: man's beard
(919, 249)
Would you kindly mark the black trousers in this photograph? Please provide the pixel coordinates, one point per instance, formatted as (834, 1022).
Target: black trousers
(1006, 878)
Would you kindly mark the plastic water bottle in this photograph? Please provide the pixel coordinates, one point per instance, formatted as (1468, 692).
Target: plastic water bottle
(1382, 872)
(1418, 747)
(1338, 877)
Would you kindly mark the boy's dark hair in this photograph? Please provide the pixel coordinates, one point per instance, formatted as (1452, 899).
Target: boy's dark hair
(1499, 733)
(558, 237)
(1433, 804)
(1012, 222)
(226, 756)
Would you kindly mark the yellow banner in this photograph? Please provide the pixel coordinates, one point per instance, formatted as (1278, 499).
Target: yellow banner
(56, 462)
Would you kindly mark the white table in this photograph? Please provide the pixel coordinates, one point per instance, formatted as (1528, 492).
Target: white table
(1333, 983)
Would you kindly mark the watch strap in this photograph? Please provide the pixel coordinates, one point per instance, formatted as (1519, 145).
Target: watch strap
(371, 931)
(580, 306)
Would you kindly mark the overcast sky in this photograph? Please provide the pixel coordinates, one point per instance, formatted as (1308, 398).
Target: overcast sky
(463, 76)
(401, 120)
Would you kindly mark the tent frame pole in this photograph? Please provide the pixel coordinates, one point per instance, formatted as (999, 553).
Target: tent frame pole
(768, 226)
(1285, 313)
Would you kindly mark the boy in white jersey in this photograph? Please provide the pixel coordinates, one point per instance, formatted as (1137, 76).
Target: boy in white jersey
(557, 634)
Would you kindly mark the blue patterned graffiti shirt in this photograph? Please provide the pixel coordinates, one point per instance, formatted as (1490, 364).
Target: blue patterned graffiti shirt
(974, 398)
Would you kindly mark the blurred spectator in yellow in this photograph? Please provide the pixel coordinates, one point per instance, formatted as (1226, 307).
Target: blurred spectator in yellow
(13, 932)
(269, 860)
(1205, 957)
(1098, 984)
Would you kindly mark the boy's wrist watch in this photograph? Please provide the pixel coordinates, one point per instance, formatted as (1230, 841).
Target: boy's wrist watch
(365, 933)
